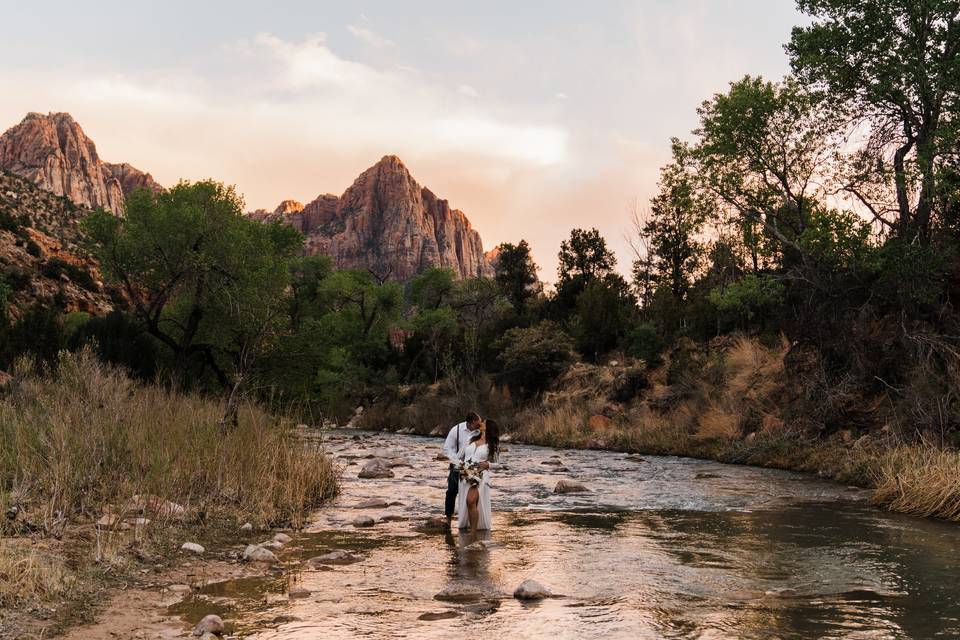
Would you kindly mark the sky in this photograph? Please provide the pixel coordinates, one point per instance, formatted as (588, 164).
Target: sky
(531, 117)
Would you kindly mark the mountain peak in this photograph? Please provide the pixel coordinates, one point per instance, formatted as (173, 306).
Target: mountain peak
(52, 151)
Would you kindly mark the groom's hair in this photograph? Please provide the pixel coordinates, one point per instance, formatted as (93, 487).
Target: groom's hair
(472, 417)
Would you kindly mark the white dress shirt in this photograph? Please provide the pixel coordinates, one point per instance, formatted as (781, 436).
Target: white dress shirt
(457, 439)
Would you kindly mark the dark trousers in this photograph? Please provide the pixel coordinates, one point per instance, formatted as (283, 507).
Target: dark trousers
(453, 487)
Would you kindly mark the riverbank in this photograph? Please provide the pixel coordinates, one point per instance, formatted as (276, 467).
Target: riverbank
(102, 480)
(734, 402)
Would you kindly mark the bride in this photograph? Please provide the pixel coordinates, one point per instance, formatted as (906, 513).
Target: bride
(473, 500)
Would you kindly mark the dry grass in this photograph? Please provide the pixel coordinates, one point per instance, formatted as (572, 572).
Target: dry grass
(85, 439)
(28, 575)
(921, 480)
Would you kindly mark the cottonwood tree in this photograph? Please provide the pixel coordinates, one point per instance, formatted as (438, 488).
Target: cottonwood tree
(894, 67)
(516, 274)
(204, 280)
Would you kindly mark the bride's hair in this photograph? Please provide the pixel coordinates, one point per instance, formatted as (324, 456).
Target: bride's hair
(493, 440)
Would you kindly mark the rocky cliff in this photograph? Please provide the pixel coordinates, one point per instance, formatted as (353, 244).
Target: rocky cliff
(41, 251)
(388, 223)
(53, 152)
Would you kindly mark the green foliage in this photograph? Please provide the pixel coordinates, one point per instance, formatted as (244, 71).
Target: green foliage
(604, 312)
(752, 296)
(836, 239)
(516, 274)
(910, 274)
(532, 358)
(432, 288)
(39, 333)
(118, 339)
(644, 342)
(205, 281)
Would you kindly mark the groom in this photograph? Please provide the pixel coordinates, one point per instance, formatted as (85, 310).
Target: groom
(458, 437)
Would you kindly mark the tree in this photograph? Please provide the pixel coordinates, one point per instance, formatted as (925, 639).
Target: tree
(678, 214)
(533, 357)
(516, 274)
(203, 279)
(605, 310)
(583, 259)
(432, 288)
(762, 149)
(895, 67)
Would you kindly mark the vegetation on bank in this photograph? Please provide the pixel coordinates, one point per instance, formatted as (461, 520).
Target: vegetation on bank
(99, 472)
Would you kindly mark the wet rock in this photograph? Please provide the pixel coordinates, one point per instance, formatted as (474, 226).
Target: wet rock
(531, 590)
(337, 556)
(192, 547)
(271, 544)
(433, 525)
(459, 594)
(393, 517)
(441, 456)
(636, 459)
(179, 588)
(282, 538)
(363, 521)
(553, 461)
(399, 462)
(210, 624)
(375, 503)
(439, 615)
(706, 476)
(299, 592)
(246, 527)
(256, 553)
(570, 486)
(375, 468)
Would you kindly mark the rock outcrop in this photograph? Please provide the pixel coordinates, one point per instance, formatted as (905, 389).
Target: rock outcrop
(388, 223)
(53, 152)
(42, 256)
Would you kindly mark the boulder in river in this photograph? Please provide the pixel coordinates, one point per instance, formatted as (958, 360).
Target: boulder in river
(460, 594)
(209, 624)
(192, 547)
(439, 615)
(437, 524)
(282, 538)
(569, 486)
(298, 593)
(553, 461)
(375, 468)
(256, 553)
(337, 556)
(363, 521)
(531, 590)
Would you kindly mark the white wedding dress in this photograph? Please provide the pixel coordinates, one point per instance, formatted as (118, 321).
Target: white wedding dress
(473, 453)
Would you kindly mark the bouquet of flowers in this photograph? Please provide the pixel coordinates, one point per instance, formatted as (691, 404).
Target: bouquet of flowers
(469, 471)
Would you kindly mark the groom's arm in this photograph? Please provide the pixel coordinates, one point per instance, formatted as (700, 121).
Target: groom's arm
(450, 445)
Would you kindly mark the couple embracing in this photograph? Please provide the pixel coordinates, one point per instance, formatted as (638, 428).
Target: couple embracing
(472, 447)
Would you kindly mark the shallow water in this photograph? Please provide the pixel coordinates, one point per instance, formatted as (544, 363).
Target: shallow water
(659, 548)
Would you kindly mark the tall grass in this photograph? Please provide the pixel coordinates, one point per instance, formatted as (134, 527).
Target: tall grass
(84, 438)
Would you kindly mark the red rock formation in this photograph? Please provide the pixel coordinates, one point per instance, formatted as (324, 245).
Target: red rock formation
(53, 152)
(388, 223)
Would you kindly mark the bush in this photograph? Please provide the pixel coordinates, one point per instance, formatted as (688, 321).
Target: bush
(118, 340)
(645, 343)
(532, 358)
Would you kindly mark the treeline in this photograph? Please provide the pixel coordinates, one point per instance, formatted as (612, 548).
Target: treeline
(824, 207)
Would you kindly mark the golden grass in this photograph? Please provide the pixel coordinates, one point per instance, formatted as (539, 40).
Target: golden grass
(27, 574)
(920, 480)
(85, 438)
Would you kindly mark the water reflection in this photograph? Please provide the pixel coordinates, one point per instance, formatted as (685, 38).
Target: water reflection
(670, 548)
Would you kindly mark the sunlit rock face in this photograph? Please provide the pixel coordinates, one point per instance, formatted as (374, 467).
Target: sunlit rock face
(388, 223)
(53, 152)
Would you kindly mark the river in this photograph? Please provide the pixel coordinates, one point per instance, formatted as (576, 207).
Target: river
(660, 547)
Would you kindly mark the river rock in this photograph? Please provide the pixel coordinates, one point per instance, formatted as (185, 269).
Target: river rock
(636, 459)
(375, 503)
(399, 462)
(375, 468)
(436, 524)
(363, 521)
(192, 547)
(531, 590)
(246, 527)
(553, 461)
(282, 538)
(256, 553)
(337, 556)
(179, 588)
(298, 593)
(209, 624)
(459, 594)
(271, 544)
(441, 457)
(439, 615)
(569, 486)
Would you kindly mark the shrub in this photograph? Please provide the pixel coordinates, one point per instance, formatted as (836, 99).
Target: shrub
(645, 343)
(532, 358)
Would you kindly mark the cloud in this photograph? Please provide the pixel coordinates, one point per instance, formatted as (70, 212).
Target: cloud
(560, 95)
(468, 91)
(368, 37)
